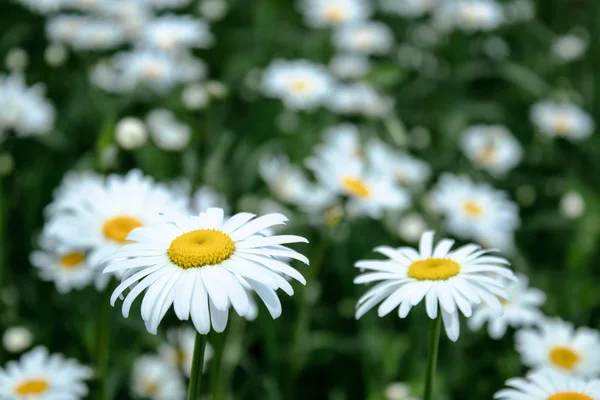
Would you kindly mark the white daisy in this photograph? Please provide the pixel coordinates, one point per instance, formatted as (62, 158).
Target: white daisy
(341, 141)
(451, 280)
(470, 15)
(350, 65)
(475, 210)
(154, 378)
(300, 84)
(167, 132)
(562, 119)
(366, 37)
(549, 385)
(404, 168)
(285, 180)
(359, 98)
(206, 197)
(87, 33)
(172, 32)
(320, 13)
(179, 352)
(521, 308)
(43, 6)
(557, 345)
(200, 264)
(492, 147)
(408, 8)
(569, 47)
(40, 375)
(74, 184)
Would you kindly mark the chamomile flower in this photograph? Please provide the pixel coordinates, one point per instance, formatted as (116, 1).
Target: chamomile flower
(562, 120)
(349, 65)
(319, 13)
(300, 84)
(88, 33)
(475, 210)
(360, 99)
(521, 308)
(200, 266)
(172, 32)
(167, 132)
(569, 47)
(179, 352)
(557, 345)
(404, 168)
(285, 180)
(408, 8)
(549, 385)
(40, 375)
(364, 37)
(68, 269)
(206, 197)
(154, 378)
(341, 141)
(448, 280)
(470, 15)
(492, 147)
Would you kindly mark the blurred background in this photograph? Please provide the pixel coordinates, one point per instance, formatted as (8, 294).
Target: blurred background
(207, 100)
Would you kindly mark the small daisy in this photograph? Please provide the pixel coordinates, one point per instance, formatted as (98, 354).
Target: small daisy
(404, 168)
(492, 147)
(179, 352)
(147, 67)
(569, 47)
(475, 210)
(320, 13)
(285, 180)
(171, 32)
(359, 98)
(557, 345)
(562, 119)
(40, 375)
(549, 385)
(95, 34)
(167, 132)
(155, 379)
(300, 84)
(367, 37)
(206, 197)
(341, 141)
(350, 65)
(448, 280)
(521, 308)
(408, 8)
(201, 264)
(470, 15)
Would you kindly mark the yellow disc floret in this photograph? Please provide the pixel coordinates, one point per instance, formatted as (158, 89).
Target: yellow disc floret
(117, 228)
(433, 269)
(200, 248)
(563, 357)
(32, 386)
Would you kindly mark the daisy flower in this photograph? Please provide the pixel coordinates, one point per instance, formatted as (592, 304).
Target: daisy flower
(341, 141)
(521, 308)
(319, 13)
(171, 32)
(285, 180)
(350, 65)
(167, 132)
(40, 375)
(562, 119)
(470, 15)
(569, 47)
(201, 264)
(492, 147)
(404, 168)
(155, 379)
(300, 84)
(557, 345)
(549, 385)
(359, 98)
(179, 352)
(364, 37)
(448, 280)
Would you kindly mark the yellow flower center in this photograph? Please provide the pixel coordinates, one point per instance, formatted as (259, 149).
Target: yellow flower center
(334, 14)
(333, 215)
(562, 124)
(472, 209)
(570, 396)
(179, 357)
(72, 260)
(563, 357)
(32, 386)
(117, 228)
(151, 387)
(200, 248)
(299, 86)
(433, 269)
(356, 187)
(488, 155)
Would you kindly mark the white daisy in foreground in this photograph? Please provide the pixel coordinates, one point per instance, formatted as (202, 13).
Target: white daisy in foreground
(562, 119)
(320, 13)
(69, 269)
(549, 385)
(364, 37)
(179, 352)
(201, 264)
(300, 84)
(155, 379)
(557, 345)
(448, 280)
(40, 375)
(492, 147)
(521, 308)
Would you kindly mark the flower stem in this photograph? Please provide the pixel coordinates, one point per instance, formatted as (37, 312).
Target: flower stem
(434, 344)
(197, 367)
(103, 344)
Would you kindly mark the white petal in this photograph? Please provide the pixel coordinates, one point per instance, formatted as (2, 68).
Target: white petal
(214, 282)
(257, 225)
(218, 317)
(426, 244)
(236, 221)
(451, 324)
(199, 306)
(268, 296)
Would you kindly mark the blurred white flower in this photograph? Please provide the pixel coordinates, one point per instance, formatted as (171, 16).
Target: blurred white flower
(206, 197)
(408, 8)
(179, 352)
(16, 339)
(562, 119)
(155, 379)
(401, 166)
(492, 147)
(342, 142)
(16, 59)
(24, 109)
(521, 309)
(153, 68)
(131, 133)
(167, 132)
(469, 15)
(213, 10)
(549, 385)
(300, 84)
(55, 54)
(359, 98)
(43, 6)
(216, 89)
(39, 374)
(519, 10)
(399, 391)
(349, 66)
(319, 13)
(411, 227)
(556, 344)
(173, 32)
(285, 180)
(569, 47)
(132, 14)
(74, 186)
(86, 33)
(572, 205)
(365, 37)
(194, 96)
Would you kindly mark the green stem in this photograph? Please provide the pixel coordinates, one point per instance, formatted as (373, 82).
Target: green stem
(197, 367)
(103, 344)
(434, 344)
